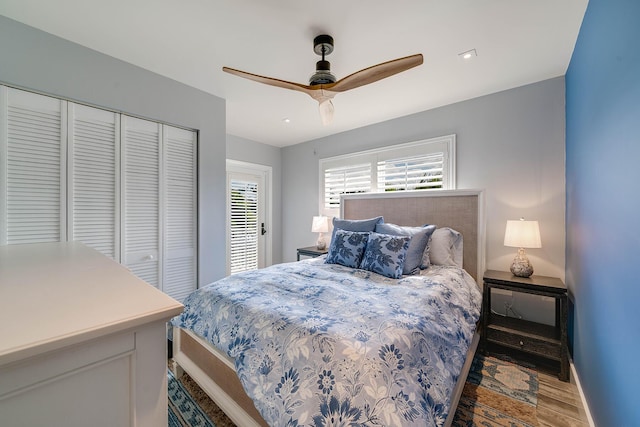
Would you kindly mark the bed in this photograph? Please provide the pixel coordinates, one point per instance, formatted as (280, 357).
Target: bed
(316, 342)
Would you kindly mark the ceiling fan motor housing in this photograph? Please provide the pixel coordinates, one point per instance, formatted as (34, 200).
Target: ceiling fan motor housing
(322, 45)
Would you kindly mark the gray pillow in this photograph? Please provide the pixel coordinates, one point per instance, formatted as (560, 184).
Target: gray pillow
(355, 224)
(419, 240)
(445, 247)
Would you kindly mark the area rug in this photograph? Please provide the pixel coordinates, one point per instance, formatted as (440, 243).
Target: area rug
(498, 393)
(183, 410)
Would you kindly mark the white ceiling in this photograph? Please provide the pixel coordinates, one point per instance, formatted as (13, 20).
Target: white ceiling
(517, 42)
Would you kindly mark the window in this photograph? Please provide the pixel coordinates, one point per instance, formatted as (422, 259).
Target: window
(421, 165)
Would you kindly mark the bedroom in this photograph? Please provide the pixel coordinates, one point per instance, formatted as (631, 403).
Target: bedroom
(533, 116)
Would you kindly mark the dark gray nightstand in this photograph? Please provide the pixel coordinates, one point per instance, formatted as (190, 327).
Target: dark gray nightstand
(543, 341)
(311, 251)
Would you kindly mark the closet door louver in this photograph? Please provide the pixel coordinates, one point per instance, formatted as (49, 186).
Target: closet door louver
(180, 195)
(141, 213)
(94, 179)
(32, 168)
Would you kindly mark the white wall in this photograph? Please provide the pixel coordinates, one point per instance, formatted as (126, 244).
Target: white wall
(510, 144)
(250, 151)
(35, 60)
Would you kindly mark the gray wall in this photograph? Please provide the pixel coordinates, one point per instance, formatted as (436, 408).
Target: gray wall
(267, 155)
(33, 59)
(510, 144)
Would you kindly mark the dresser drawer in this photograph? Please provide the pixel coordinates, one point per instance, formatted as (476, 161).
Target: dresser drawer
(543, 346)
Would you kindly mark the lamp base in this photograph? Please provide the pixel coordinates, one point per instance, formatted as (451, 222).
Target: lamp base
(521, 266)
(321, 244)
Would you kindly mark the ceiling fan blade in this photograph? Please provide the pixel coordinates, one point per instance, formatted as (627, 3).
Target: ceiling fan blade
(269, 80)
(375, 73)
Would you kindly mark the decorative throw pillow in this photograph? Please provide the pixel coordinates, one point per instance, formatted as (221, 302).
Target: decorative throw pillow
(445, 247)
(347, 248)
(419, 240)
(355, 224)
(385, 254)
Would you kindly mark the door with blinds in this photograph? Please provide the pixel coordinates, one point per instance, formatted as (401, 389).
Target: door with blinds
(246, 219)
(94, 179)
(180, 207)
(141, 170)
(33, 145)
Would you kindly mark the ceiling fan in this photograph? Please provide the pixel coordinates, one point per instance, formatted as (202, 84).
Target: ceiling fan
(323, 85)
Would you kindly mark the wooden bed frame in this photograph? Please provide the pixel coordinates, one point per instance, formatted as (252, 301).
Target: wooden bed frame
(461, 210)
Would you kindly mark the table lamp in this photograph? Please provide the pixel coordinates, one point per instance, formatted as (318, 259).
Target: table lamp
(522, 234)
(320, 225)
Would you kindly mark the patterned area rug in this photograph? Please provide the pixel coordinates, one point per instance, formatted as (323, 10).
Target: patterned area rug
(498, 393)
(183, 410)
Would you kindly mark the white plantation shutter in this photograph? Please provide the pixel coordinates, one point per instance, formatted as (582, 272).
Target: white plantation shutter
(32, 168)
(244, 224)
(421, 165)
(345, 180)
(180, 244)
(141, 213)
(412, 173)
(94, 179)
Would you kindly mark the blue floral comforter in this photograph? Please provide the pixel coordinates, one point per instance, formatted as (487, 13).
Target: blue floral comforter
(320, 344)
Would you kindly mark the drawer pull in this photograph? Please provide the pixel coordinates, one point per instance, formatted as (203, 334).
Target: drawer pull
(521, 343)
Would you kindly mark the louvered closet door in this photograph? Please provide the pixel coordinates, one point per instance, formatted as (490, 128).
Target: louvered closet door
(32, 168)
(141, 212)
(94, 179)
(180, 227)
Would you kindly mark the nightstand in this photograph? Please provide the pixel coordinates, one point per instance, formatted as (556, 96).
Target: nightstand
(543, 341)
(311, 251)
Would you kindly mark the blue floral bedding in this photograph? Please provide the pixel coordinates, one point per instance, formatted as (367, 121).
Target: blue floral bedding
(320, 344)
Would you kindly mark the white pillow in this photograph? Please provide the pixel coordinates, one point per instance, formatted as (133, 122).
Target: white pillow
(445, 247)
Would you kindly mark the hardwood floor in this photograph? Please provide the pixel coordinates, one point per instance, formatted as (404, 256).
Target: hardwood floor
(559, 403)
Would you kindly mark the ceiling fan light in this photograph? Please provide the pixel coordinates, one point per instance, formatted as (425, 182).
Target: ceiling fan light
(326, 112)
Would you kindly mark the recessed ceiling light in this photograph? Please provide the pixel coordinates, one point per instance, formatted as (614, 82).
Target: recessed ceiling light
(286, 120)
(468, 54)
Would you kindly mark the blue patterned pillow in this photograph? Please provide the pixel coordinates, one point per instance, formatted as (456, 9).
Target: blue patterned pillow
(347, 248)
(385, 254)
(419, 241)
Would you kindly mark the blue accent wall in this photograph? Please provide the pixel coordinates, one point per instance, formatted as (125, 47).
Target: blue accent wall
(603, 208)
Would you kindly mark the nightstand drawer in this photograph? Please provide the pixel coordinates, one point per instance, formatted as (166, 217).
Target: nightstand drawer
(531, 344)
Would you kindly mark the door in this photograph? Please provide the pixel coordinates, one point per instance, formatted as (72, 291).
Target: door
(33, 145)
(140, 200)
(249, 227)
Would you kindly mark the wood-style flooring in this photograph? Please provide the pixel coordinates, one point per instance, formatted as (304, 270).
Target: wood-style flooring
(559, 403)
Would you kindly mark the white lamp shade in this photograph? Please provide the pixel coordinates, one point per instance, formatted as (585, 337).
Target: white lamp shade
(320, 224)
(522, 234)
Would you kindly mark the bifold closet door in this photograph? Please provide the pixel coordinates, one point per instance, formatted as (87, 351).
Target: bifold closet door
(32, 167)
(140, 201)
(180, 207)
(94, 179)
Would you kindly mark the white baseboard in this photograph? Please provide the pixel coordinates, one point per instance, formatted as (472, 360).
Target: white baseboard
(582, 396)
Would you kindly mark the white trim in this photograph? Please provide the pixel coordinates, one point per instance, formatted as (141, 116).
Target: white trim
(583, 398)
(4, 106)
(267, 174)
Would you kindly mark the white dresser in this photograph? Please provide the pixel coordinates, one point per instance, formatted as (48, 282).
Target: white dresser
(82, 340)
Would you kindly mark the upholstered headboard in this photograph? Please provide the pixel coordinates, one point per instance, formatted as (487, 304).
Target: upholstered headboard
(461, 210)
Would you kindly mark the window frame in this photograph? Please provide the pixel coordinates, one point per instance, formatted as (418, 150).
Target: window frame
(445, 144)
